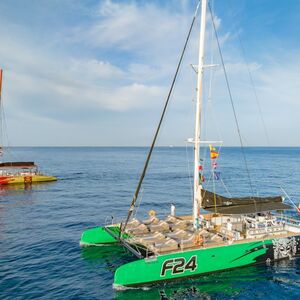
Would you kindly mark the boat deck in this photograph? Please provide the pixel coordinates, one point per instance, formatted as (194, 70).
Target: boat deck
(175, 234)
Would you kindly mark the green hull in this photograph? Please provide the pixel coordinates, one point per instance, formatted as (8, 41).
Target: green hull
(173, 266)
(203, 261)
(183, 264)
(98, 236)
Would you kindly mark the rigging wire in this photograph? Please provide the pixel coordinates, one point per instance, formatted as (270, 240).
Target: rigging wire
(254, 91)
(252, 84)
(209, 108)
(289, 198)
(132, 206)
(210, 101)
(139, 202)
(232, 104)
(3, 126)
(256, 96)
(189, 170)
(259, 106)
(257, 100)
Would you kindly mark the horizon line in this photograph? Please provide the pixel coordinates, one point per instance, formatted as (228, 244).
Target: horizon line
(137, 146)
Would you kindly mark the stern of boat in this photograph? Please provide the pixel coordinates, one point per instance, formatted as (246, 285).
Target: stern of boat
(98, 236)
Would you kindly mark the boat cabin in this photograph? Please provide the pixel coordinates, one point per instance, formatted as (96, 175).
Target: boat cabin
(18, 168)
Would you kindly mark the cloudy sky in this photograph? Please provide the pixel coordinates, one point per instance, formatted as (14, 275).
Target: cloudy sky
(96, 73)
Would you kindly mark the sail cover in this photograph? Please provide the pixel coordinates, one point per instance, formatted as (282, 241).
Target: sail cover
(245, 205)
(18, 164)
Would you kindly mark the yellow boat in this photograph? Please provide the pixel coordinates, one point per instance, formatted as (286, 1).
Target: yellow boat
(18, 172)
(22, 173)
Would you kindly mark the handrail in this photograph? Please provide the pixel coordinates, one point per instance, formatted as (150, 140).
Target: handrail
(136, 251)
(286, 218)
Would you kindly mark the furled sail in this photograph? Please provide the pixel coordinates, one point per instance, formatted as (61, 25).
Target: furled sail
(244, 205)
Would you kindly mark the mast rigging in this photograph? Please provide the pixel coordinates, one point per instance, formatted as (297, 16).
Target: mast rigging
(133, 202)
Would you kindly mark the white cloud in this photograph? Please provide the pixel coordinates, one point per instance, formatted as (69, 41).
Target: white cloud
(122, 60)
(58, 79)
(65, 82)
(146, 30)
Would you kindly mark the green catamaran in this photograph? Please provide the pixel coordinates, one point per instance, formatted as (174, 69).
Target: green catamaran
(232, 233)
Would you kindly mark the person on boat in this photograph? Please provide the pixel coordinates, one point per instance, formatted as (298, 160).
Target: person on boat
(152, 217)
(229, 226)
(173, 210)
(207, 224)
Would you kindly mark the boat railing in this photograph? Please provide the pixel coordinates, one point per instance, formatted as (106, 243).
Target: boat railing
(109, 220)
(136, 249)
(287, 220)
(265, 230)
(133, 248)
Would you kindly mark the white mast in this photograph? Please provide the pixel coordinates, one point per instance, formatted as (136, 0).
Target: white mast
(197, 184)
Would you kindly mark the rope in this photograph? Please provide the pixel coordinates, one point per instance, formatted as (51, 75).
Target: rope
(3, 125)
(254, 91)
(252, 84)
(232, 104)
(132, 206)
(189, 171)
(139, 203)
(289, 198)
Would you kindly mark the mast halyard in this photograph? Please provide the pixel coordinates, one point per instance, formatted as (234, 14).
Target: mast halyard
(197, 184)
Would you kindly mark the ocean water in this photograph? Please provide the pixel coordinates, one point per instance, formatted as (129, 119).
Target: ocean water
(40, 226)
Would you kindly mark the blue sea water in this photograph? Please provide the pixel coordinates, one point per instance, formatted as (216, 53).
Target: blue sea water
(40, 227)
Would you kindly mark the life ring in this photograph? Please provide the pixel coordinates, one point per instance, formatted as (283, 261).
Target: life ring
(198, 239)
(27, 179)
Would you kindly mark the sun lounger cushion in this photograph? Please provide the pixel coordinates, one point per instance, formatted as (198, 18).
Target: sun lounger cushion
(161, 226)
(151, 221)
(169, 245)
(132, 224)
(178, 234)
(140, 229)
(152, 239)
(171, 219)
(179, 225)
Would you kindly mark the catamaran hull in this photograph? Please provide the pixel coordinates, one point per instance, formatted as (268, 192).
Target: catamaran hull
(205, 260)
(98, 236)
(5, 180)
(194, 262)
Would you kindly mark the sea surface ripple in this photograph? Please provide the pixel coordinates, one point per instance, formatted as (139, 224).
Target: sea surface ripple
(40, 226)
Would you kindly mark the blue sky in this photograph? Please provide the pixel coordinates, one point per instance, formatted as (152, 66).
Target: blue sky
(96, 73)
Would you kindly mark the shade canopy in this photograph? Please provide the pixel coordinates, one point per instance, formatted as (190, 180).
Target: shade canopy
(244, 205)
(18, 164)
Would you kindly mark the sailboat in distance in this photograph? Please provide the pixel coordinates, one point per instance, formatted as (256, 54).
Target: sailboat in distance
(221, 233)
(18, 172)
